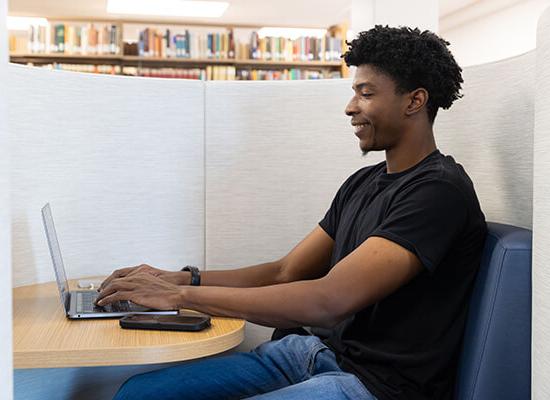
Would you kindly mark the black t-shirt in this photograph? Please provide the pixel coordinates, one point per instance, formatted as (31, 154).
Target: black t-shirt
(406, 346)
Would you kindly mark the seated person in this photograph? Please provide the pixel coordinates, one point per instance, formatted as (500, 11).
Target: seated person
(388, 271)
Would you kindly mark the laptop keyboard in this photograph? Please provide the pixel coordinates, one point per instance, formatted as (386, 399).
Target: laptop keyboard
(85, 303)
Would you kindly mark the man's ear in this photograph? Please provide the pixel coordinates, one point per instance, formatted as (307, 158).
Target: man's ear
(416, 100)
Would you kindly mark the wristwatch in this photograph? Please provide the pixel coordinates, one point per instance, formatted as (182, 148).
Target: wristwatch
(195, 274)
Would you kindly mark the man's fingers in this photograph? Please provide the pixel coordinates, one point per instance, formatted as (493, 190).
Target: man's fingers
(108, 281)
(115, 286)
(119, 273)
(117, 296)
(105, 292)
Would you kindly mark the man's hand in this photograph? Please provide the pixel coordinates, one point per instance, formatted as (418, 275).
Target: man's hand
(175, 277)
(144, 289)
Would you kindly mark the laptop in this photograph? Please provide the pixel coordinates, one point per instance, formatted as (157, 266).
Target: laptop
(80, 303)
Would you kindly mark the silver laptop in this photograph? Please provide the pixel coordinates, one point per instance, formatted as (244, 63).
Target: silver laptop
(80, 303)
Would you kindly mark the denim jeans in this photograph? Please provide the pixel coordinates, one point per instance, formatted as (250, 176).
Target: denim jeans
(295, 367)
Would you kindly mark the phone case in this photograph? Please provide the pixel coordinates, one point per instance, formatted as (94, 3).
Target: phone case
(165, 326)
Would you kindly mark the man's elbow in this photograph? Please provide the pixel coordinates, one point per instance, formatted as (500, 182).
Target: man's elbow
(331, 313)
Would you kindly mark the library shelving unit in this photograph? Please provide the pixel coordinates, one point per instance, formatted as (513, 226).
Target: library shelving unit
(177, 50)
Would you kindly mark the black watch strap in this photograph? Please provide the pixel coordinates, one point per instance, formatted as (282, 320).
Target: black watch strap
(195, 274)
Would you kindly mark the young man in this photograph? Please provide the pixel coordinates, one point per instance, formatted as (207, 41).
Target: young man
(388, 271)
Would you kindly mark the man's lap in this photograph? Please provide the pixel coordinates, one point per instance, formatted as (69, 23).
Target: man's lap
(274, 366)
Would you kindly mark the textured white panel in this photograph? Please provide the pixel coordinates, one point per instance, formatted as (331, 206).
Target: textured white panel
(6, 375)
(121, 160)
(490, 132)
(541, 218)
(277, 152)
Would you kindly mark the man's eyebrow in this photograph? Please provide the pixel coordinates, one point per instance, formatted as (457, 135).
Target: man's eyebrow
(363, 84)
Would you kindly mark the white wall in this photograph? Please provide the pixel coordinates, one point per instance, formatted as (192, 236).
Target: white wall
(6, 372)
(364, 14)
(505, 33)
(541, 219)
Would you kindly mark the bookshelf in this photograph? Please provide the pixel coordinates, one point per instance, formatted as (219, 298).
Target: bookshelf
(190, 51)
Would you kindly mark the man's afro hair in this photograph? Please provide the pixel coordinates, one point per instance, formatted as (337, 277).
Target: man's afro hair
(413, 59)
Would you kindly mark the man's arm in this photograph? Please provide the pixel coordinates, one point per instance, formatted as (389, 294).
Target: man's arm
(309, 259)
(371, 272)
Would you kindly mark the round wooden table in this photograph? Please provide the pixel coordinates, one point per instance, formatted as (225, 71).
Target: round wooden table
(44, 338)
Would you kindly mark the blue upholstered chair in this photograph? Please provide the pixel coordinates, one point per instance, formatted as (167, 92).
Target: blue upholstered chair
(496, 358)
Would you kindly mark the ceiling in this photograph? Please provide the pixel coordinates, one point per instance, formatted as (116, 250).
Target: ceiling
(303, 13)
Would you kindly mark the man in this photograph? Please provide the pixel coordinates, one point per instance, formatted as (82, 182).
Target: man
(388, 271)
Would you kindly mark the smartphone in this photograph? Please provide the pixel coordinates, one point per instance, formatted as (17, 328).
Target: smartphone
(180, 322)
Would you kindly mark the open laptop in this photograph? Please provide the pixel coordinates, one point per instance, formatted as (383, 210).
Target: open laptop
(80, 303)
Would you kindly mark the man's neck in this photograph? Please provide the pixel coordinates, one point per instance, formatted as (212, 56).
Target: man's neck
(408, 154)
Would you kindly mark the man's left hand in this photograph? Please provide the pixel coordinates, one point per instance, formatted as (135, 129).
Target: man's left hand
(143, 289)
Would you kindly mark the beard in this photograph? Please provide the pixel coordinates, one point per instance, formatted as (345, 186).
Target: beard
(370, 147)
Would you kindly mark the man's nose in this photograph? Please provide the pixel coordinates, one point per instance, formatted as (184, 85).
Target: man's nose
(351, 108)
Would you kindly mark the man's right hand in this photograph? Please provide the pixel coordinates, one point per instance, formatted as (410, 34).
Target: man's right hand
(175, 277)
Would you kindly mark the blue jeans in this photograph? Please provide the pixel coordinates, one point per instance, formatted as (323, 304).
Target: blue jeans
(295, 367)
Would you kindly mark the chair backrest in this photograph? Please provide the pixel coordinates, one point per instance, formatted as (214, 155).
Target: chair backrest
(496, 357)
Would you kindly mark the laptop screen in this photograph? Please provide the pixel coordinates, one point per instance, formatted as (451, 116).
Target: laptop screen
(55, 252)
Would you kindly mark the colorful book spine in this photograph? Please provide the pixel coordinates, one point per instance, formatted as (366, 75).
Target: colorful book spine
(60, 38)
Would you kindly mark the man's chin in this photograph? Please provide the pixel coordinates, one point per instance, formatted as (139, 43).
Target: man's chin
(365, 150)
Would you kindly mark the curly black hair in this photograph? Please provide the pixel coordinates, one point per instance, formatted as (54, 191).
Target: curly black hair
(412, 59)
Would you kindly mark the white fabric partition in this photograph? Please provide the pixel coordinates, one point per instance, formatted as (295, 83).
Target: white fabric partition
(490, 132)
(277, 153)
(541, 218)
(6, 371)
(121, 162)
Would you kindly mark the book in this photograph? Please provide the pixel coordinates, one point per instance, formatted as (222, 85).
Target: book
(60, 38)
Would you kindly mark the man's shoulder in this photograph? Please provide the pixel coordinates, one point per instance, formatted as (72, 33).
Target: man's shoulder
(365, 172)
(444, 169)
(443, 178)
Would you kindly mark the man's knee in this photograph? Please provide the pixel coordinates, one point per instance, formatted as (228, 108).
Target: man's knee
(281, 345)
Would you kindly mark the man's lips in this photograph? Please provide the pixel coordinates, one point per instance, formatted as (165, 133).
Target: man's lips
(357, 127)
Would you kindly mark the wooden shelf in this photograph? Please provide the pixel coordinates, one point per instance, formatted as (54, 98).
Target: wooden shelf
(156, 61)
(119, 61)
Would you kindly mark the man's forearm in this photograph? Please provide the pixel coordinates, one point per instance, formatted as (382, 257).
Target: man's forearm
(301, 303)
(257, 275)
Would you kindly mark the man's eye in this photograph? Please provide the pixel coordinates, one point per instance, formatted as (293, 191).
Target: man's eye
(366, 94)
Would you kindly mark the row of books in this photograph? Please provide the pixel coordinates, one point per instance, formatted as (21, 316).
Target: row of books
(106, 39)
(326, 48)
(287, 74)
(74, 39)
(208, 73)
(174, 73)
(226, 73)
(156, 43)
(95, 69)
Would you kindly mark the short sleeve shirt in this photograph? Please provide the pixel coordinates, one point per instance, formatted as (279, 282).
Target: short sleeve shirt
(406, 345)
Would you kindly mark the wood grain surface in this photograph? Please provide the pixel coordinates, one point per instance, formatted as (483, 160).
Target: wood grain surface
(44, 338)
